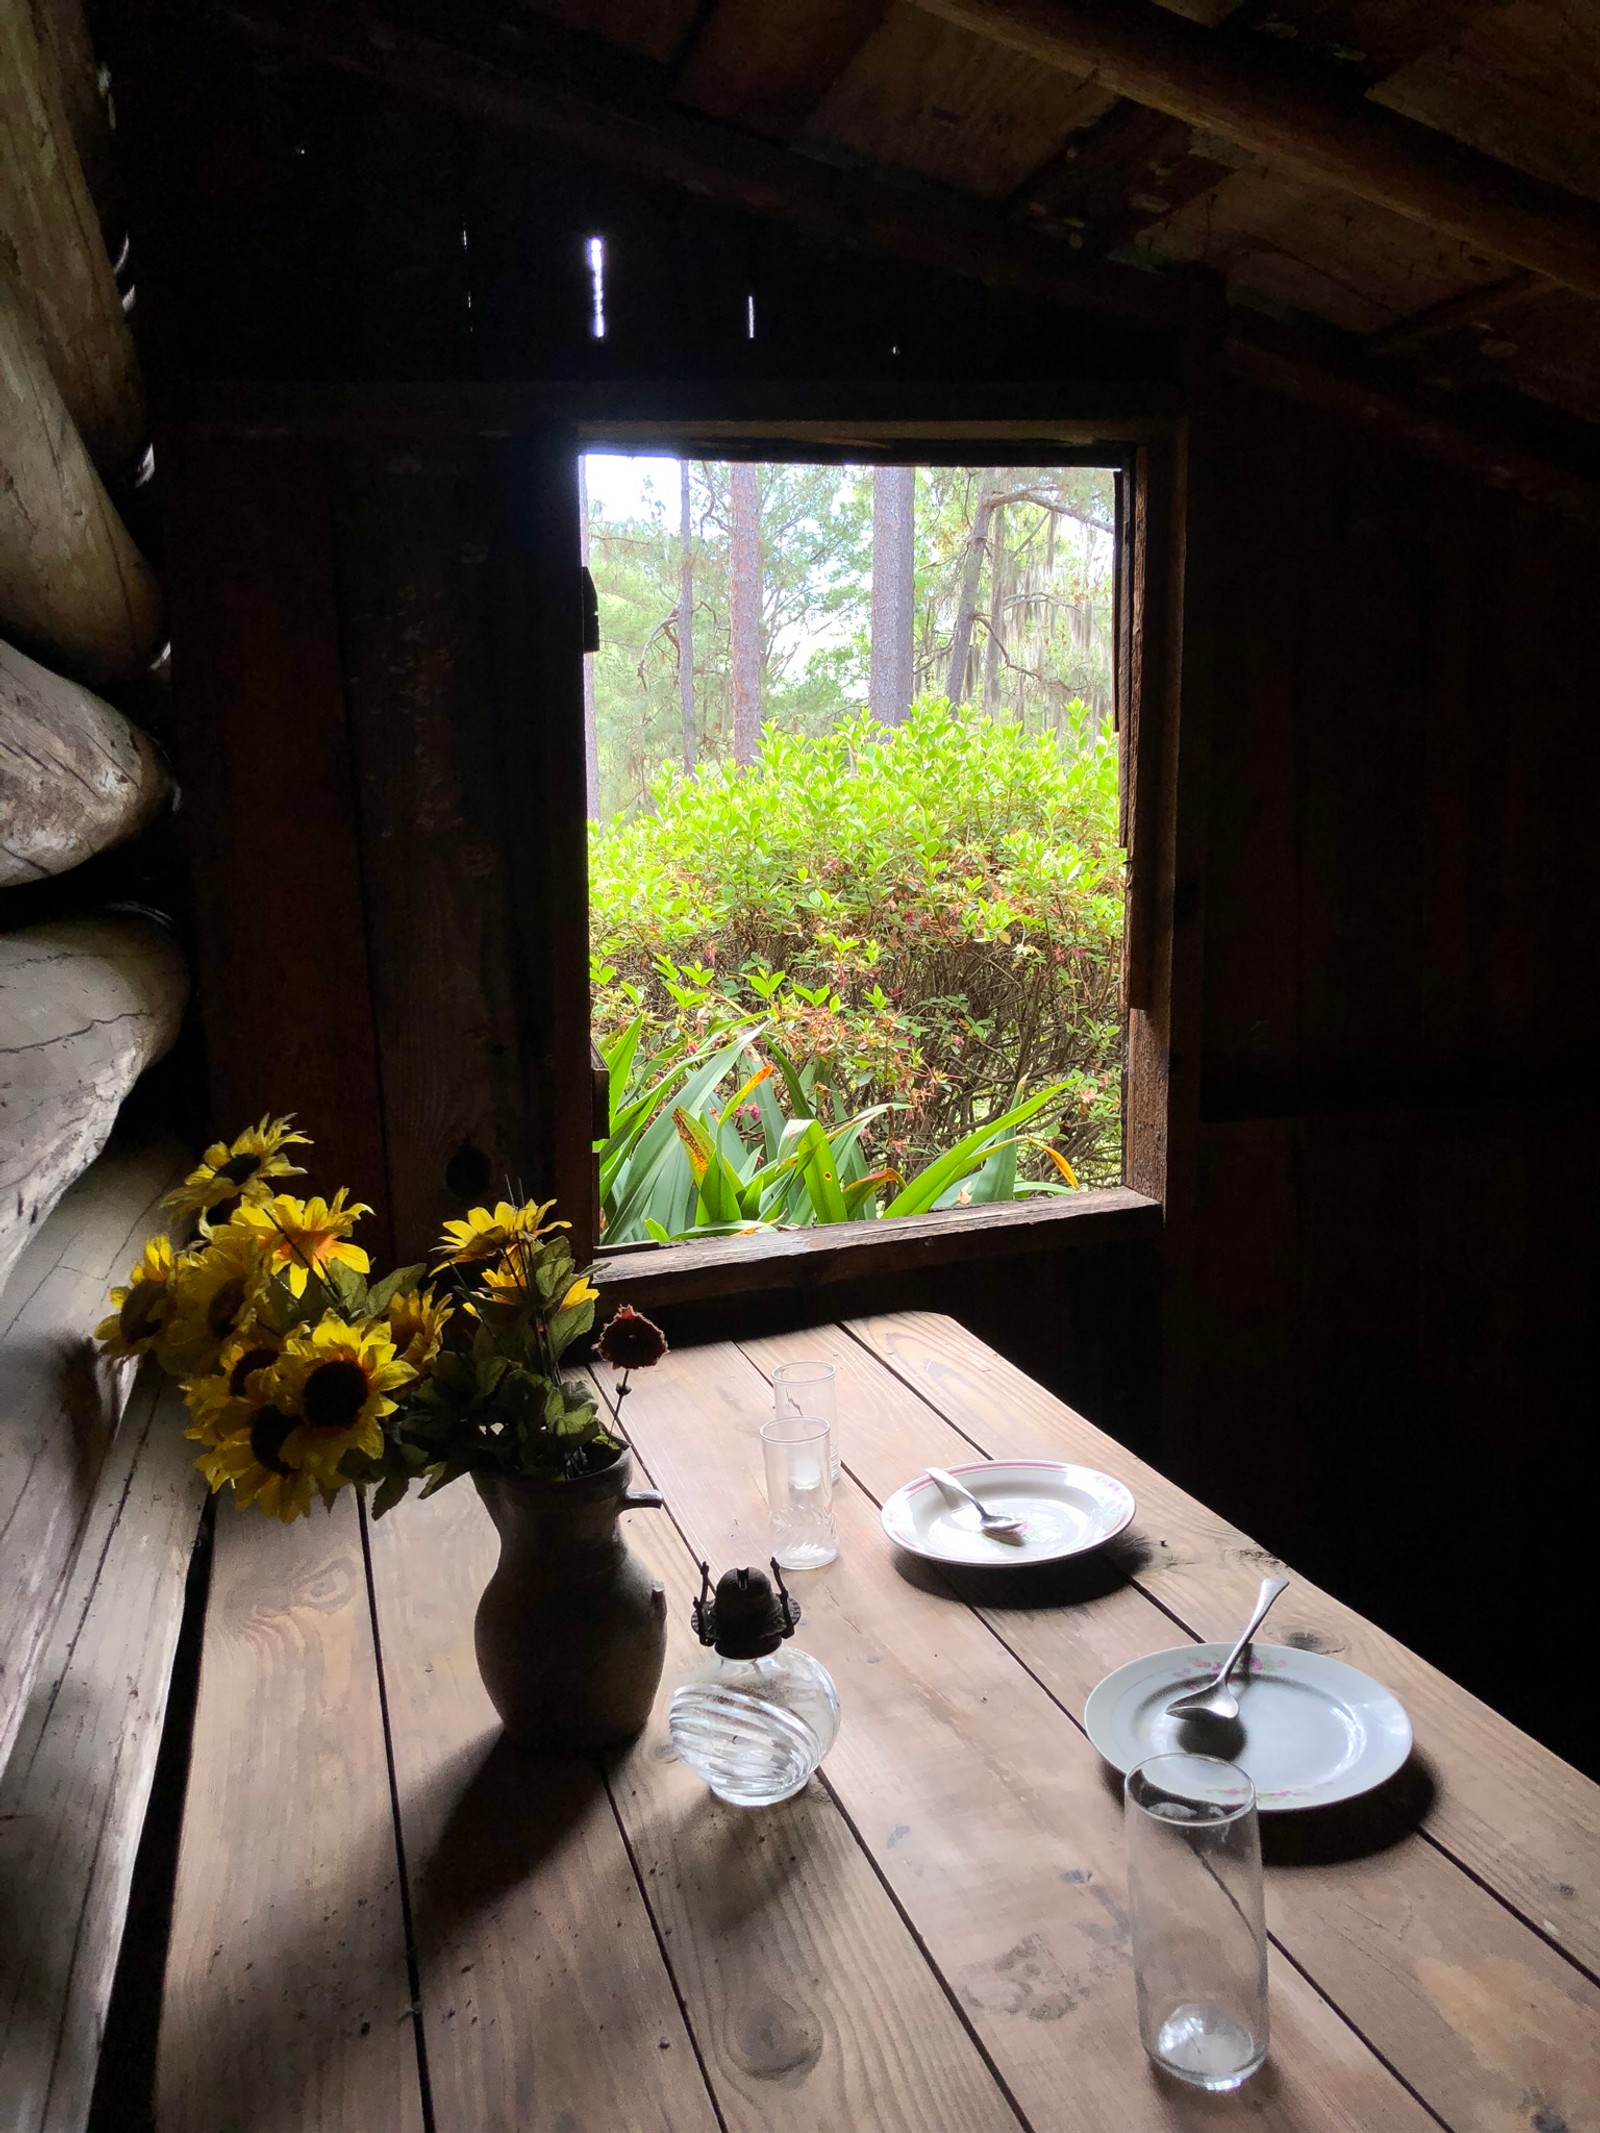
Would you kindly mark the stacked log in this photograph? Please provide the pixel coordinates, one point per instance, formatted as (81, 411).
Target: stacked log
(86, 1004)
(72, 584)
(76, 777)
(50, 241)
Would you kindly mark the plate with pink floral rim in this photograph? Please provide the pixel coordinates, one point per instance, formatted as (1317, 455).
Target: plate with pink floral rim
(1064, 1510)
(1310, 1729)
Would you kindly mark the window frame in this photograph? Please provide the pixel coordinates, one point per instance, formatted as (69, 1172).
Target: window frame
(1145, 451)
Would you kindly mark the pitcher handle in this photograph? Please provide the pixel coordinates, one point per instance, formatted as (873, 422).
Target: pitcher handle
(642, 1499)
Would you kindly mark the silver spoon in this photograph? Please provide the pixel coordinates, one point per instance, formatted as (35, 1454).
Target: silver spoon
(994, 1523)
(1216, 1699)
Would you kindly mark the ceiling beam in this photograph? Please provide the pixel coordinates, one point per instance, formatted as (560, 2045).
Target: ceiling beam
(1301, 127)
(1470, 307)
(556, 88)
(619, 112)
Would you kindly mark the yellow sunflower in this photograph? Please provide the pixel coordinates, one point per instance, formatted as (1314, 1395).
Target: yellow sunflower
(485, 1235)
(416, 1326)
(227, 1399)
(217, 1290)
(231, 1169)
(139, 1312)
(335, 1380)
(583, 1291)
(252, 1461)
(304, 1234)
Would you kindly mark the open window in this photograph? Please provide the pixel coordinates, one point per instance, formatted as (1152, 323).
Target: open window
(856, 779)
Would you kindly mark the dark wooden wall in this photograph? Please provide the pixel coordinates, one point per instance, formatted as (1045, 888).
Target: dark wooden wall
(1381, 1302)
(1375, 1299)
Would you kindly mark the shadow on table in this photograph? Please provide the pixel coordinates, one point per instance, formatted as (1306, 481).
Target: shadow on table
(1024, 1586)
(508, 1812)
(1351, 1829)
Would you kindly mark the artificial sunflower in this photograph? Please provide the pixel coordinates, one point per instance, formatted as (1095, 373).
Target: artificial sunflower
(230, 1170)
(335, 1380)
(486, 1235)
(253, 1462)
(139, 1315)
(217, 1291)
(416, 1326)
(225, 1400)
(303, 1236)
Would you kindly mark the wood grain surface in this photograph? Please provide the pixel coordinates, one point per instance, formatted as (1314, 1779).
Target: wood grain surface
(287, 2002)
(932, 1935)
(1513, 1814)
(983, 1806)
(811, 2004)
(545, 2001)
(74, 1791)
(75, 776)
(59, 1401)
(1385, 1925)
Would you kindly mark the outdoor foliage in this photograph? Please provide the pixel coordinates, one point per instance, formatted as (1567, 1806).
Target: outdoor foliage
(818, 977)
(1012, 587)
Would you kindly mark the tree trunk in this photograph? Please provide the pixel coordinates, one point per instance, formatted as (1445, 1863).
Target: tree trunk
(893, 592)
(744, 610)
(50, 241)
(86, 1004)
(591, 732)
(955, 686)
(998, 588)
(72, 584)
(75, 776)
(686, 616)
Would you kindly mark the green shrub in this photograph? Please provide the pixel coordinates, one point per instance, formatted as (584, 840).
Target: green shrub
(927, 917)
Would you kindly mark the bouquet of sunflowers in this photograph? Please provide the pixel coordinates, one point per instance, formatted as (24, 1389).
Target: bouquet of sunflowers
(302, 1376)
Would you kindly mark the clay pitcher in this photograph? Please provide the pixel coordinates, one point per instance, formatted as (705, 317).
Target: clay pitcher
(571, 1632)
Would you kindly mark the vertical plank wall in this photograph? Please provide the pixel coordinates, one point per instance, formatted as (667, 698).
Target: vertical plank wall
(1387, 1281)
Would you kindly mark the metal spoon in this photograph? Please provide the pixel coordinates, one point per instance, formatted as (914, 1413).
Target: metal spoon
(1216, 1699)
(994, 1523)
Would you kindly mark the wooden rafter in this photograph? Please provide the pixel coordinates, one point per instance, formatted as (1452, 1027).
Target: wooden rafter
(1131, 168)
(1295, 123)
(620, 112)
(562, 87)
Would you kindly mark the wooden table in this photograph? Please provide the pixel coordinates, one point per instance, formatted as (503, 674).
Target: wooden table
(388, 1921)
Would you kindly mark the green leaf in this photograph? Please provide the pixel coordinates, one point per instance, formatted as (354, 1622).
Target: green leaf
(821, 1174)
(958, 1162)
(404, 1281)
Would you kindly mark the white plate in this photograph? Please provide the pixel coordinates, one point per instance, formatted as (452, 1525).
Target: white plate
(1310, 1729)
(1064, 1510)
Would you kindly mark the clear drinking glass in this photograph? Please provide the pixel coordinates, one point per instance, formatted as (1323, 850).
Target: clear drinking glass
(1199, 1925)
(809, 1389)
(800, 1490)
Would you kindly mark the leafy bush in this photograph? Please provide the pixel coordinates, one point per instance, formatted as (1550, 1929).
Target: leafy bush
(926, 919)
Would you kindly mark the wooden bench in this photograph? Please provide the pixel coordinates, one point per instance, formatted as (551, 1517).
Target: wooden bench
(99, 1506)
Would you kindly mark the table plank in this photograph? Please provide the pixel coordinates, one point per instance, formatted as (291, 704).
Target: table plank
(812, 2003)
(287, 2001)
(985, 1809)
(1516, 1816)
(1405, 1943)
(545, 1999)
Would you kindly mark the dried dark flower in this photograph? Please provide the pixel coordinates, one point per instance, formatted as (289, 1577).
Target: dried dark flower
(630, 1341)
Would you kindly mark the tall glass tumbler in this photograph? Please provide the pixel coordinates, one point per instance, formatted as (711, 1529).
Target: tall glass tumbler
(1199, 1923)
(809, 1389)
(799, 1491)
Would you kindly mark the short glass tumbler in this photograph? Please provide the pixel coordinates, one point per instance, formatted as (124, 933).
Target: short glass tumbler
(1199, 1924)
(809, 1389)
(800, 1491)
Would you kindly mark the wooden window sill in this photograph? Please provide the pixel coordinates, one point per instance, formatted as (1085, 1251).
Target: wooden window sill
(859, 1251)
